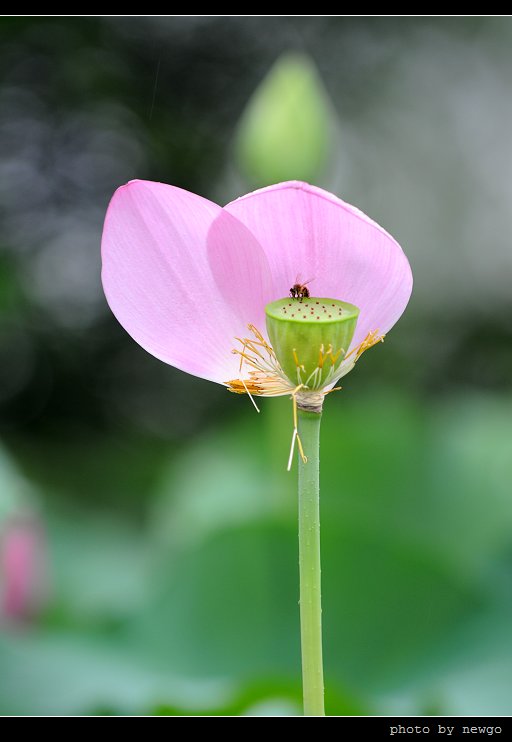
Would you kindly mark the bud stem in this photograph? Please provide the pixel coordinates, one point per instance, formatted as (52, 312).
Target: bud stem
(309, 565)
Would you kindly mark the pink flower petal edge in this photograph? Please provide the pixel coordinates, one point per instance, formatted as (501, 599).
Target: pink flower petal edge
(307, 231)
(158, 248)
(184, 277)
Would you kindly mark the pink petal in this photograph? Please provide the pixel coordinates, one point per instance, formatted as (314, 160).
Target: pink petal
(309, 233)
(166, 277)
(240, 269)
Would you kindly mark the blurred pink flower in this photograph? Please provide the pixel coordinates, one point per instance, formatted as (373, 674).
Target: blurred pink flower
(20, 569)
(185, 277)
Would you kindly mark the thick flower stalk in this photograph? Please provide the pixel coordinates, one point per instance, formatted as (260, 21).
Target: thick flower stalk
(277, 293)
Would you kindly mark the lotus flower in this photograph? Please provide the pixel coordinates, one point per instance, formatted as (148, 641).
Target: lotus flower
(186, 277)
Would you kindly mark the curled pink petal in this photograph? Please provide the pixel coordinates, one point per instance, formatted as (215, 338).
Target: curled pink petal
(309, 233)
(158, 279)
(240, 269)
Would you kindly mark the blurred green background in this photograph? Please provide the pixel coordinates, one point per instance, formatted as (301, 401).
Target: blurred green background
(156, 520)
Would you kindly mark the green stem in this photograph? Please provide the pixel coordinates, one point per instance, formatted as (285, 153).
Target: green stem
(309, 565)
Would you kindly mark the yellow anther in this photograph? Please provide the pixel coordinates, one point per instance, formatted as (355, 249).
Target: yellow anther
(321, 357)
(301, 451)
(265, 377)
(295, 435)
(239, 386)
(334, 356)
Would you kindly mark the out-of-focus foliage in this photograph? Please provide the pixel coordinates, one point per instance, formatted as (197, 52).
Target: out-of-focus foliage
(163, 508)
(196, 611)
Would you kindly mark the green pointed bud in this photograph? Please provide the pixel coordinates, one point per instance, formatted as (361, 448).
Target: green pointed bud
(311, 337)
(285, 132)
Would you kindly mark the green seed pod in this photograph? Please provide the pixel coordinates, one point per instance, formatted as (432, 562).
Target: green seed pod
(311, 337)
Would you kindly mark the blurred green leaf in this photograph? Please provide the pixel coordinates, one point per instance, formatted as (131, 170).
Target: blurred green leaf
(416, 522)
(101, 569)
(120, 471)
(229, 607)
(398, 587)
(231, 476)
(16, 494)
(271, 697)
(67, 674)
(285, 132)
